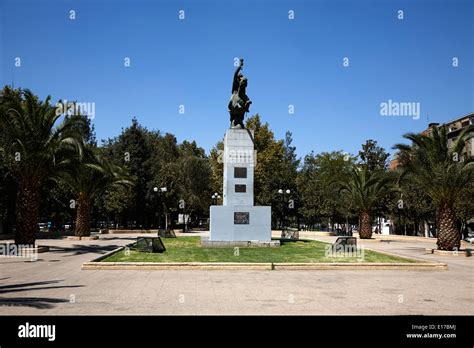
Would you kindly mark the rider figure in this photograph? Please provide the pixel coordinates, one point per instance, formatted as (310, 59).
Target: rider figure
(239, 102)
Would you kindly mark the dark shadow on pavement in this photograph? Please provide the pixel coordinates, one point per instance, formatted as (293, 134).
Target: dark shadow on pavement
(83, 249)
(31, 286)
(40, 288)
(36, 302)
(22, 285)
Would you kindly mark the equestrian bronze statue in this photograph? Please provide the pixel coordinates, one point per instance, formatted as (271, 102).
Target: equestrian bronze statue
(239, 102)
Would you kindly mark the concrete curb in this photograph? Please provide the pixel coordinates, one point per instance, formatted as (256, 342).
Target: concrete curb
(426, 266)
(416, 259)
(462, 252)
(106, 255)
(96, 264)
(175, 266)
(402, 238)
(419, 265)
(96, 237)
(419, 261)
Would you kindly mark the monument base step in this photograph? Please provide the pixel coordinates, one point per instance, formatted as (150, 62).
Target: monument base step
(206, 243)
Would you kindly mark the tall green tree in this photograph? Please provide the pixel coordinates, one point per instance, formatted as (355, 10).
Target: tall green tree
(216, 159)
(268, 178)
(8, 185)
(272, 172)
(194, 175)
(289, 172)
(36, 146)
(57, 198)
(412, 206)
(56, 208)
(133, 150)
(373, 156)
(156, 160)
(114, 202)
(443, 173)
(464, 208)
(92, 176)
(7, 193)
(364, 190)
(321, 201)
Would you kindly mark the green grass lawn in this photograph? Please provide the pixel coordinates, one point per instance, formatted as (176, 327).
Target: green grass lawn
(188, 249)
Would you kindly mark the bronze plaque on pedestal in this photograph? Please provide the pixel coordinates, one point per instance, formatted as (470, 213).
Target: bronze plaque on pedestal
(241, 218)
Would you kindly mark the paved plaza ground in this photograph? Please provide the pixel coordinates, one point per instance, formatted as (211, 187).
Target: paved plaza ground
(55, 284)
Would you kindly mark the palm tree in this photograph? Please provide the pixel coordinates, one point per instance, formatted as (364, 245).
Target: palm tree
(442, 173)
(91, 177)
(35, 148)
(365, 190)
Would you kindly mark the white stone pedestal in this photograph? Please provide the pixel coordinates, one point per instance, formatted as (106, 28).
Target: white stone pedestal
(238, 219)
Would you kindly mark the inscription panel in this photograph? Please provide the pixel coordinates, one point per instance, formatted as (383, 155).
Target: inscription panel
(240, 172)
(240, 188)
(241, 218)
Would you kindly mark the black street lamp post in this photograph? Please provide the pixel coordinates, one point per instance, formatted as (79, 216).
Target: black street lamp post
(215, 198)
(163, 190)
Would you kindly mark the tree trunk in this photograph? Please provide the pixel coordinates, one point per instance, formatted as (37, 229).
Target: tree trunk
(83, 216)
(365, 225)
(27, 211)
(449, 237)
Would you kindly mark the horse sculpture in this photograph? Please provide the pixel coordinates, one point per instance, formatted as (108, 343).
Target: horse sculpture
(239, 102)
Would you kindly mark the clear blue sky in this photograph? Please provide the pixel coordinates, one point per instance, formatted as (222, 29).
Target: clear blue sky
(296, 62)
